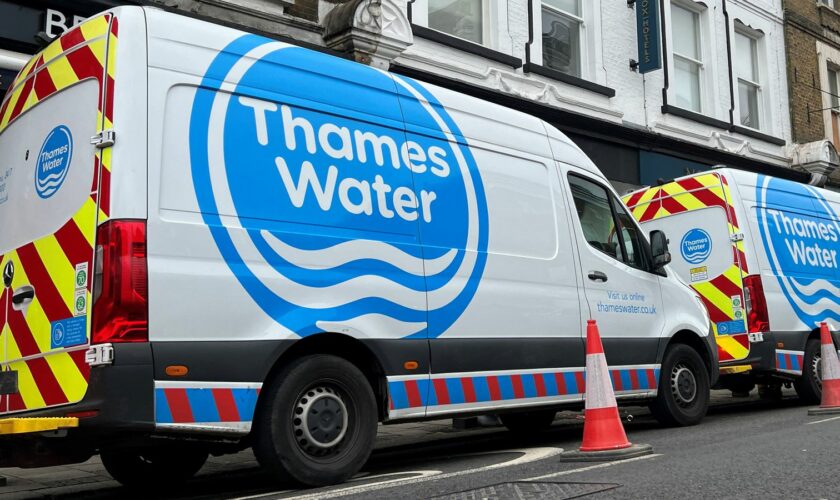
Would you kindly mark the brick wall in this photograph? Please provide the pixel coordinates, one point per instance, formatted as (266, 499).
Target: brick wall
(802, 30)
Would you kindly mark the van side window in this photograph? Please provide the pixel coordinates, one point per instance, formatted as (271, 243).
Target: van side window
(630, 237)
(595, 215)
(600, 213)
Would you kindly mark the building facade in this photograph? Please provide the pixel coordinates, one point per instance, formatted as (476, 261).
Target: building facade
(719, 95)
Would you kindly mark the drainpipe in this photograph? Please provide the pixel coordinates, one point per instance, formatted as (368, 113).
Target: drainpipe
(729, 63)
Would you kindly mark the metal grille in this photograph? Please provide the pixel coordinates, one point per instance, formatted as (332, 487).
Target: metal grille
(530, 491)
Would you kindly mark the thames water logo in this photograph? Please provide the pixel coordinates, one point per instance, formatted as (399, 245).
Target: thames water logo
(53, 161)
(800, 233)
(696, 246)
(324, 210)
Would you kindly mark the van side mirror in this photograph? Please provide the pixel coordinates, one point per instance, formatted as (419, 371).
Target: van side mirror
(659, 249)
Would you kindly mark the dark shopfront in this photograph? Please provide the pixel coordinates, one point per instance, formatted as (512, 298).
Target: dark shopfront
(21, 21)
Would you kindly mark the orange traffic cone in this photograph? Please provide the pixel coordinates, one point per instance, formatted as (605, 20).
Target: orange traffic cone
(830, 367)
(603, 433)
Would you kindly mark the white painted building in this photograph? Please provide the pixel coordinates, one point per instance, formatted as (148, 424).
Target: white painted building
(720, 97)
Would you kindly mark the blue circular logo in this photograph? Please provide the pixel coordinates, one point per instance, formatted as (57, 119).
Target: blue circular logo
(696, 246)
(53, 161)
(58, 334)
(317, 197)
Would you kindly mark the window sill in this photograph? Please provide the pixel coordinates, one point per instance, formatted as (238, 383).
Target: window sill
(755, 134)
(714, 122)
(694, 116)
(465, 45)
(571, 80)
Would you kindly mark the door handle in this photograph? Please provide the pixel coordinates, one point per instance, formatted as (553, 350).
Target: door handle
(597, 276)
(22, 297)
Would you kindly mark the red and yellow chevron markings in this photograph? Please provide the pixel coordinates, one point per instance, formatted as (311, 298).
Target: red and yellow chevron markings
(695, 193)
(48, 376)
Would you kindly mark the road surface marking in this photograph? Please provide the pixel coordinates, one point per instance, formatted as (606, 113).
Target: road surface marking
(528, 455)
(821, 421)
(591, 467)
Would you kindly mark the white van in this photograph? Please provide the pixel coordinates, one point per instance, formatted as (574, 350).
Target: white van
(762, 253)
(226, 241)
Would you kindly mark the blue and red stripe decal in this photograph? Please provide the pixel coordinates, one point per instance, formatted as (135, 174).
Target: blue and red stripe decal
(465, 389)
(789, 361)
(199, 404)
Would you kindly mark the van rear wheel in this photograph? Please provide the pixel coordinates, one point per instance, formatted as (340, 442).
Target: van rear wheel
(155, 467)
(683, 396)
(809, 385)
(318, 422)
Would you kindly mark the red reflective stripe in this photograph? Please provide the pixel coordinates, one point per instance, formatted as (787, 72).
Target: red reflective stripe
(47, 384)
(469, 389)
(16, 402)
(651, 378)
(672, 206)
(539, 382)
(493, 386)
(44, 85)
(726, 286)
(581, 382)
(634, 198)
(179, 406)
(413, 393)
(441, 391)
(105, 191)
(85, 64)
(634, 380)
(650, 211)
(73, 243)
(518, 390)
(560, 380)
(46, 292)
(21, 334)
(226, 405)
(24, 95)
(71, 39)
(615, 375)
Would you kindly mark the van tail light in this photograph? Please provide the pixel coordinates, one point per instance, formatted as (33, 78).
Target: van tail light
(756, 305)
(120, 283)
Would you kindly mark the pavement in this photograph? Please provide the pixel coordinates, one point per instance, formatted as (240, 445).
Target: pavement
(746, 448)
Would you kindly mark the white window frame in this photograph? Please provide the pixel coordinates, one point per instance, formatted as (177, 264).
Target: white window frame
(829, 3)
(591, 56)
(828, 58)
(489, 17)
(709, 103)
(760, 68)
(581, 22)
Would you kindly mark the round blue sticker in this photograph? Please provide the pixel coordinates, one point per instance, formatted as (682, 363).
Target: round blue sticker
(696, 246)
(53, 161)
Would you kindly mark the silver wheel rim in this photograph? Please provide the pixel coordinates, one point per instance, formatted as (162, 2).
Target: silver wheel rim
(815, 366)
(683, 385)
(320, 421)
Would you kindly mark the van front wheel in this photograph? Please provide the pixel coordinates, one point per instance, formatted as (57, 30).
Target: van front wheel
(683, 395)
(318, 422)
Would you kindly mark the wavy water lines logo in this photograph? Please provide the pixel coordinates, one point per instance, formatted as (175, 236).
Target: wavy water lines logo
(801, 237)
(53, 161)
(318, 209)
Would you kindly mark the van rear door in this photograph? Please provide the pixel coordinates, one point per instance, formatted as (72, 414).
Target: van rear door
(49, 209)
(697, 215)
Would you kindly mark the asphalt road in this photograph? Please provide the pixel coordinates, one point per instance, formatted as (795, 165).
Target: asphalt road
(744, 449)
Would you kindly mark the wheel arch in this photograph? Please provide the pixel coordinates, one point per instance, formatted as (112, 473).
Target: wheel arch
(694, 341)
(342, 346)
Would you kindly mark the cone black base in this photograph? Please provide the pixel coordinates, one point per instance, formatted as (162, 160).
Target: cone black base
(635, 450)
(824, 411)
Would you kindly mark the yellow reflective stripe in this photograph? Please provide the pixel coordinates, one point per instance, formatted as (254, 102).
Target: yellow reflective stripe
(39, 424)
(36, 319)
(733, 274)
(4, 120)
(105, 157)
(61, 271)
(95, 27)
(62, 73)
(98, 49)
(112, 56)
(689, 201)
(84, 219)
(732, 346)
(52, 51)
(27, 388)
(715, 296)
(68, 375)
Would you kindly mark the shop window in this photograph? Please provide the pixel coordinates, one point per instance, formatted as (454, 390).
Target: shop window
(562, 23)
(688, 57)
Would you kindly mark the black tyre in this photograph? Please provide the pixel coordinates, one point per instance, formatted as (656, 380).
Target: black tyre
(809, 385)
(318, 422)
(528, 422)
(683, 396)
(153, 468)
